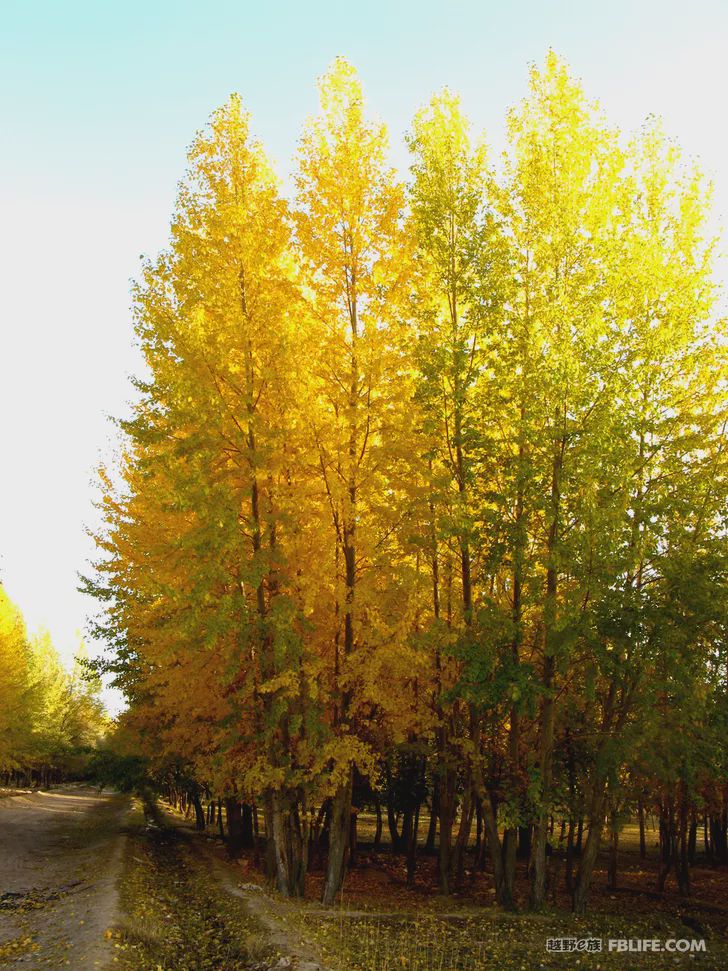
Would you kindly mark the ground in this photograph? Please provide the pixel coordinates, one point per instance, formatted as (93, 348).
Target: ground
(185, 907)
(60, 859)
(95, 880)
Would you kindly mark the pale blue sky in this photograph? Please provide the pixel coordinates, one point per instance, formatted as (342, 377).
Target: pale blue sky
(98, 101)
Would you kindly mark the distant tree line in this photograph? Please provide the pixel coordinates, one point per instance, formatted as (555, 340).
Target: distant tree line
(51, 719)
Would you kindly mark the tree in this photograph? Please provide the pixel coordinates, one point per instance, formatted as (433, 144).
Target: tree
(15, 686)
(50, 719)
(458, 294)
(349, 229)
(212, 479)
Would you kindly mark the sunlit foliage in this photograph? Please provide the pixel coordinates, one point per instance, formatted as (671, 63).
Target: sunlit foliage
(427, 479)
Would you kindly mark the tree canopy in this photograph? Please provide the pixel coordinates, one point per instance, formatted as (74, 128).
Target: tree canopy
(424, 490)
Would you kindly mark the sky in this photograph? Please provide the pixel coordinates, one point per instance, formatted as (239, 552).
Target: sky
(98, 102)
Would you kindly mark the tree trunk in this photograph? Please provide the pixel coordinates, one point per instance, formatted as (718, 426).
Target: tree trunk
(613, 852)
(693, 839)
(706, 838)
(525, 838)
(719, 836)
(287, 830)
(591, 850)
(682, 863)
(668, 841)
(446, 819)
(434, 811)
(457, 865)
(569, 867)
(547, 714)
(353, 841)
(393, 824)
(406, 834)
(378, 830)
(338, 840)
(510, 836)
(199, 812)
(247, 835)
(412, 848)
(219, 818)
(478, 828)
(540, 829)
(235, 831)
(503, 893)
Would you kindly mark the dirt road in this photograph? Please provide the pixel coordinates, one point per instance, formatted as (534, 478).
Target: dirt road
(60, 856)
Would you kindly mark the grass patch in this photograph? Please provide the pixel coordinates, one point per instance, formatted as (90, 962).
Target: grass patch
(509, 943)
(176, 918)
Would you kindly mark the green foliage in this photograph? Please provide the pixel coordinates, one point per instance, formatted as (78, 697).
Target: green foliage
(112, 770)
(433, 471)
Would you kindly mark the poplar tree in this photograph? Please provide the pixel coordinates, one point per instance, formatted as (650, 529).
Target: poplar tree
(457, 295)
(349, 228)
(216, 316)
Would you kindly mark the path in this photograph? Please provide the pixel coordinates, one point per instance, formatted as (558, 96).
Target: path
(272, 912)
(60, 856)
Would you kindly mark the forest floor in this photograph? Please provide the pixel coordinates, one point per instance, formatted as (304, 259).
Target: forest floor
(380, 924)
(94, 881)
(186, 909)
(60, 858)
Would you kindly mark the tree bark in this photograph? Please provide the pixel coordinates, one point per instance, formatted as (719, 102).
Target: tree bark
(693, 839)
(353, 839)
(247, 834)
(547, 714)
(591, 850)
(457, 865)
(412, 848)
(434, 810)
(446, 820)
(235, 831)
(682, 861)
(219, 818)
(338, 840)
(392, 823)
(199, 812)
(288, 832)
(378, 830)
(706, 838)
(540, 829)
(525, 839)
(613, 852)
(569, 865)
(668, 840)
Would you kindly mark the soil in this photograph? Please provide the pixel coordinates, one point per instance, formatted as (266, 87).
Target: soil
(60, 857)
